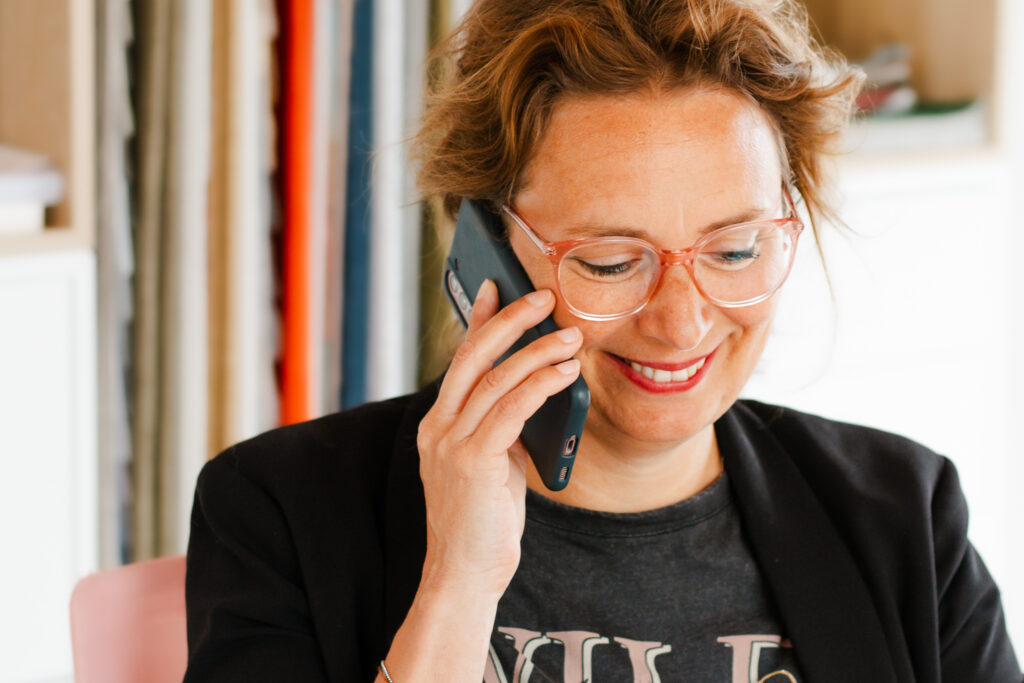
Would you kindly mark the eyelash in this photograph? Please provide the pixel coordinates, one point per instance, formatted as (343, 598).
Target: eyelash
(606, 270)
(735, 256)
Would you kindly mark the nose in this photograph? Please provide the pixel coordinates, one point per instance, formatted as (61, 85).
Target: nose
(677, 314)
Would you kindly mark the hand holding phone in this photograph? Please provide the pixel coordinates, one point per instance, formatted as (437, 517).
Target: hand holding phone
(480, 251)
(472, 464)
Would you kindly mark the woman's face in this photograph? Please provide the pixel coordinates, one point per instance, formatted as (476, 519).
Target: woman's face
(668, 166)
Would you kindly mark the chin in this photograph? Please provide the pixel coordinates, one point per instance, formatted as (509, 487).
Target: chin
(656, 424)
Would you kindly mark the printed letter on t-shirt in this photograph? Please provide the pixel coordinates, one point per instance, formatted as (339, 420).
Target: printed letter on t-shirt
(526, 643)
(493, 673)
(579, 650)
(578, 658)
(641, 656)
(746, 653)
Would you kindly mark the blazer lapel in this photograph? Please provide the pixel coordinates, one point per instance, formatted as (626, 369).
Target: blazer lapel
(820, 593)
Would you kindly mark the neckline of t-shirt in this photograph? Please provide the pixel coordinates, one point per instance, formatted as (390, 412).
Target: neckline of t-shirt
(698, 508)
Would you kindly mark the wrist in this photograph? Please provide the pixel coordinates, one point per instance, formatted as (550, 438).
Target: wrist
(444, 637)
(450, 574)
(453, 581)
(441, 591)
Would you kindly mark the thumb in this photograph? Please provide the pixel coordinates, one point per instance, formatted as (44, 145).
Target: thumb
(485, 305)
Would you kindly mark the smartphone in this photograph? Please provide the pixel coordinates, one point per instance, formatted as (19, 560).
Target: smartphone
(480, 251)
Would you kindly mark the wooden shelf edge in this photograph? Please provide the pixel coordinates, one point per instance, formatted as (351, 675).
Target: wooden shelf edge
(82, 70)
(48, 241)
(967, 156)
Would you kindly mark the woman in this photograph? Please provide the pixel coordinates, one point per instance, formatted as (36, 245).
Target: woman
(700, 538)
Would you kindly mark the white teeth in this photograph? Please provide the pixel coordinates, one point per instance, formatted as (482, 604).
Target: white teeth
(666, 375)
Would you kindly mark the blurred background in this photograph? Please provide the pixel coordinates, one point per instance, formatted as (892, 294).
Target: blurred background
(208, 228)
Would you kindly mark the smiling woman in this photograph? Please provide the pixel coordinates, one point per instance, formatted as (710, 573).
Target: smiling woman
(666, 166)
(643, 156)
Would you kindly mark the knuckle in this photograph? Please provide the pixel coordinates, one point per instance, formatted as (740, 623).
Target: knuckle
(494, 379)
(546, 382)
(424, 437)
(441, 445)
(508, 407)
(507, 315)
(465, 351)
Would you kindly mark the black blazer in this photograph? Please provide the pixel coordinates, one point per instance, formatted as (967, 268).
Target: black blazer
(307, 544)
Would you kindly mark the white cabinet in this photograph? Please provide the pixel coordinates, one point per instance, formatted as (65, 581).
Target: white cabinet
(48, 488)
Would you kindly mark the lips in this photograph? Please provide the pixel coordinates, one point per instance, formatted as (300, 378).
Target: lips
(662, 375)
(658, 377)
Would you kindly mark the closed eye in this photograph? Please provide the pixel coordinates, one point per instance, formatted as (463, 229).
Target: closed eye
(610, 269)
(736, 256)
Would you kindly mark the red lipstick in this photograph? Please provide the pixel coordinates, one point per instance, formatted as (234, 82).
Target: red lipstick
(650, 385)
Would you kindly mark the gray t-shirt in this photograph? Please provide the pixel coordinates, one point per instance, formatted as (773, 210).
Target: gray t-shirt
(672, 595)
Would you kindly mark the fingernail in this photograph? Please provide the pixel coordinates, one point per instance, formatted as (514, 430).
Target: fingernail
(539, 298)
(483, 285)
(569, 334)
(568, 367)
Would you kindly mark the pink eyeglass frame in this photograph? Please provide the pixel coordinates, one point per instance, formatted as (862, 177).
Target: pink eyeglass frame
(556, 251)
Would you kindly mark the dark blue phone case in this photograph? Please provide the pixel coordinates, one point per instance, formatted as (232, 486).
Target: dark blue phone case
(481, 251)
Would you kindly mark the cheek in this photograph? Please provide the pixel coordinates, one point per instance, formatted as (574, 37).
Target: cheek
(595, 334)
(753, 324)
(754, 317)
(541, 275)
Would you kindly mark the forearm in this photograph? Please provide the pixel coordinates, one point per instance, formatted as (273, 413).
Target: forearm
(473, 470)
(444, 637)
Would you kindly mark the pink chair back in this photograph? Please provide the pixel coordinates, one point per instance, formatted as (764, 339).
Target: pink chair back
(128, 624)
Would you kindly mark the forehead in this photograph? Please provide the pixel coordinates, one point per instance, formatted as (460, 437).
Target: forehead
(688, 156)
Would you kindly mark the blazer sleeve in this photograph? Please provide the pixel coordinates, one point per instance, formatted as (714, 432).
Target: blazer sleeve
(972, 630)
(248, 615)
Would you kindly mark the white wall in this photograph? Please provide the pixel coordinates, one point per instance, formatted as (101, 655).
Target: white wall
(921, 338)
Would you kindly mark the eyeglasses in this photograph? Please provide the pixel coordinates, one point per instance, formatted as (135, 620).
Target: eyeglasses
(607, 278)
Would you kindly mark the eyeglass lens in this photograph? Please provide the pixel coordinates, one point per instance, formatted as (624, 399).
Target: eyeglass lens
(737, 265)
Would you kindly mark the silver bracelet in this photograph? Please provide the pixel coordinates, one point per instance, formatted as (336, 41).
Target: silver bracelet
(384, 672)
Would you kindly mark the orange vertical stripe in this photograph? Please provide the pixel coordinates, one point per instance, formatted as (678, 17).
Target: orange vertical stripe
(298, 108)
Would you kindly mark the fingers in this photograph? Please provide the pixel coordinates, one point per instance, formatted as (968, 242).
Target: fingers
(490, 335)
(502, 425)
(501, 380)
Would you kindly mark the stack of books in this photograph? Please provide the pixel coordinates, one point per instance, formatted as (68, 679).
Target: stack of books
(28, 184)
(888, 90)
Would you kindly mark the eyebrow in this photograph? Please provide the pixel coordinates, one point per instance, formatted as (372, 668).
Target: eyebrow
(585, 231)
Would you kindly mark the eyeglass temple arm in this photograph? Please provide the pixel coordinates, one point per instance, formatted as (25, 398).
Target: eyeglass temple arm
(788, 198)
(526, 228)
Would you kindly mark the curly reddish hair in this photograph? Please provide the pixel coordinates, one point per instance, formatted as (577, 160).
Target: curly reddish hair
(499, 75)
